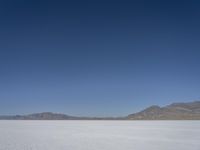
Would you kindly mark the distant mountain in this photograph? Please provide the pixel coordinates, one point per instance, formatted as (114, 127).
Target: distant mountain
(53, 116)
(40, 116)
(175, 111)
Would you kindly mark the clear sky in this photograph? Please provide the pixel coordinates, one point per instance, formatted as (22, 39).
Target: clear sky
(97, 58)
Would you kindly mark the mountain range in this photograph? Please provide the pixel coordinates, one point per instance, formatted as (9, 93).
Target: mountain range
(174, 111)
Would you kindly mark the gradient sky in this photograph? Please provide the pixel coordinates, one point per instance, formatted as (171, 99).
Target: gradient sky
(97, 58)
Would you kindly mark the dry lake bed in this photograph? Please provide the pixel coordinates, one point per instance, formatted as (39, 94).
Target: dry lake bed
(99, 135)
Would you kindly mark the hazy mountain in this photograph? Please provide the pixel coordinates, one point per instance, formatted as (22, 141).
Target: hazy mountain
(53, 116)
(175, 111)
(40, 116)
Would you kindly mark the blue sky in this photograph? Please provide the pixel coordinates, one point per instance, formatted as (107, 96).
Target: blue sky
(97, 58)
